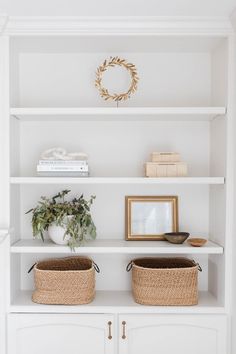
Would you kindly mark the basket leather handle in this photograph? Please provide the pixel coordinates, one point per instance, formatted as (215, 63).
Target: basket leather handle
(129, 266)
(96, 267)
(31, 268)
(198, 266)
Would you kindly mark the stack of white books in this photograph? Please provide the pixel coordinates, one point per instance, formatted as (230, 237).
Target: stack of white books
(63, 168)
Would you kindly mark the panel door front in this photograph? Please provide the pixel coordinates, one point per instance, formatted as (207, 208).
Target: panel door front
(60, 334)
(178, 334)
(4, 274)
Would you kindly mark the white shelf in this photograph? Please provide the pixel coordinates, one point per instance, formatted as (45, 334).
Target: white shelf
(113, 302)
(114, 113)
(117, 180)
(115, 247)
(118, 43)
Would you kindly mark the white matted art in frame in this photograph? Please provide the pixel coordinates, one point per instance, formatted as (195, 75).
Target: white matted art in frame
(149, 217)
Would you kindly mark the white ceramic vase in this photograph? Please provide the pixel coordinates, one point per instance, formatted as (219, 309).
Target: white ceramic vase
(56, 234)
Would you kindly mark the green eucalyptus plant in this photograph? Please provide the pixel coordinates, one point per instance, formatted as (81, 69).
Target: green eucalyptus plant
(56, 210)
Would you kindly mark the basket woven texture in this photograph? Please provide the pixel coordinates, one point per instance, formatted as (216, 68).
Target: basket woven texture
(165, 281)
(65, 281)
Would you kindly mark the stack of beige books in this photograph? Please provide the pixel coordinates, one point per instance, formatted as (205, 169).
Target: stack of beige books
(165, 164)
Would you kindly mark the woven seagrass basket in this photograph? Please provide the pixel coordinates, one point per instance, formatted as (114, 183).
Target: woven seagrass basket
(64, 281)
(164, 281)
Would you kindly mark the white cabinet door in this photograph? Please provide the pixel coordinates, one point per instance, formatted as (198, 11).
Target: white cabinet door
(4, 287)
(178, 334)
(60, 334)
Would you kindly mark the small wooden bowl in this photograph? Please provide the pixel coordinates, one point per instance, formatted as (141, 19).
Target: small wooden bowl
(176, 237)
(197, 242)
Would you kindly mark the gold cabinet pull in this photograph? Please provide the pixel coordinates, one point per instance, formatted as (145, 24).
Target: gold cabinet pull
(123, 327)
(109, 330)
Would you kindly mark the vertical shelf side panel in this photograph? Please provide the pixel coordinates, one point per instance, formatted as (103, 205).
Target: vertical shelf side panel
(4, 131)
(230, 173)
(218, 153)
(4, 187)
(221, 161)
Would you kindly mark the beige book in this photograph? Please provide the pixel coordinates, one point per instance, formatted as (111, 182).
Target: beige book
(177, 169)
(165, 157)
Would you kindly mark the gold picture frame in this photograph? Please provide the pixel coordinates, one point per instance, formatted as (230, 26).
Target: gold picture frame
(149, 217)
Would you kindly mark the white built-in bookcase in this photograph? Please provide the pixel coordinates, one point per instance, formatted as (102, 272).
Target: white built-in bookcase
(183, 104)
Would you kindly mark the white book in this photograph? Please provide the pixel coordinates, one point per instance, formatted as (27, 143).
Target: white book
(63, 174)
(75, 168)
(62, 162)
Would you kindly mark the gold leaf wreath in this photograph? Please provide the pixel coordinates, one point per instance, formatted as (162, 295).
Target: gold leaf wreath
(113, 61)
